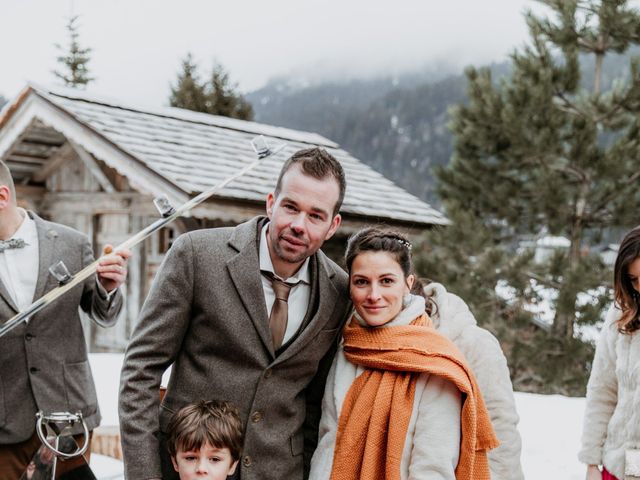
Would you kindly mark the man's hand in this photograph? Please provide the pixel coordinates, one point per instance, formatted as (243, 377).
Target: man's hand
(593, 473)
(112, 269)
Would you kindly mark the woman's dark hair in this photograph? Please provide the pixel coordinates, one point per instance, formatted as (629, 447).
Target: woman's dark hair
(625, 295)
(377, 239)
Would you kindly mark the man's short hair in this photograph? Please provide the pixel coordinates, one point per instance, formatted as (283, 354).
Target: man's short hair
(208, 421)
(317, 163)
(7, 180)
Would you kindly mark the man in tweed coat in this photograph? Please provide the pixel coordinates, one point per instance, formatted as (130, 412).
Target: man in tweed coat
(208, 314)
(43, 363)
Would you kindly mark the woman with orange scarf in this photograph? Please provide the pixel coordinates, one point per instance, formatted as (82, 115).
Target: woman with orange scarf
(400, 402)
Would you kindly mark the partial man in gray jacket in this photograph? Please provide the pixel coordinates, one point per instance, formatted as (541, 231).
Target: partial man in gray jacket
(43, 363)
(454, 320)
(249, 315)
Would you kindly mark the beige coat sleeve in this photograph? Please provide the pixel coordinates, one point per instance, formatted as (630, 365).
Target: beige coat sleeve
(489, 365)
(602, 393)
(484, 354)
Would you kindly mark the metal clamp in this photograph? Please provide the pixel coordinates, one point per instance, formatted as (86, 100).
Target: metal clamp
(65, 419)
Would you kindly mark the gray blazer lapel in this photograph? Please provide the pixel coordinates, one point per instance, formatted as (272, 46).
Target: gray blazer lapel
(4, 293)
(327, 295)
(46, 251)
(244, 270)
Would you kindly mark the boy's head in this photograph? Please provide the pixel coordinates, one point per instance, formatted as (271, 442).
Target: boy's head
(205, 440)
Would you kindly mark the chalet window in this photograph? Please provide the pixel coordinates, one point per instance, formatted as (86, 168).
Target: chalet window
(166, 237)
(159, 243)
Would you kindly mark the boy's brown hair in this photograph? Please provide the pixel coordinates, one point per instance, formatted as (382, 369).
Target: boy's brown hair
(209, 421)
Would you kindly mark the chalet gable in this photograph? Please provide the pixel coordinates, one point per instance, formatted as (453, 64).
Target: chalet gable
(178, 153)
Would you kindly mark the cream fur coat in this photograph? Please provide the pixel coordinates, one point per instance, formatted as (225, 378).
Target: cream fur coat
(432, 444)
(611, 430)
(454, 320)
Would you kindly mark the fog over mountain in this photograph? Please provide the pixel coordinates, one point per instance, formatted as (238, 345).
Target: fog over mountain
(396, 124)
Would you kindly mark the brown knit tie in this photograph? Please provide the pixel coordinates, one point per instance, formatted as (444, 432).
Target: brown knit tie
(279, 310)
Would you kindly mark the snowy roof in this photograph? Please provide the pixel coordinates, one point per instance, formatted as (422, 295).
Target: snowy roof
(189, 152)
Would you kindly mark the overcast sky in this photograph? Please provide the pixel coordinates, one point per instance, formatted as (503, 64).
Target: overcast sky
(138, 44)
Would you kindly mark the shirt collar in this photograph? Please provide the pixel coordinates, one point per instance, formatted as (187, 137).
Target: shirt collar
(302, 275)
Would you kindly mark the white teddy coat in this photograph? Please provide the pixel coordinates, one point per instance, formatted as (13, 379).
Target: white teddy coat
(454, 320)
(611, 426)
(432, 445)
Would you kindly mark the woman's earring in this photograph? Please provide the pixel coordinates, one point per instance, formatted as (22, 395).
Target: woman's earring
(406, 300)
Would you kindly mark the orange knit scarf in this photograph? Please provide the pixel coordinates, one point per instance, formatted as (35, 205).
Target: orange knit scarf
(376, 412)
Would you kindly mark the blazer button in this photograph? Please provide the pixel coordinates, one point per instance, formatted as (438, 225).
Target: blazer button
(256, 417)
(267, 373)
(28, 337)
(34, 370)
(246, 461)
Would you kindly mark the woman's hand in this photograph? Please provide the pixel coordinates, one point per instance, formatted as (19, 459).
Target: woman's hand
(593, 473)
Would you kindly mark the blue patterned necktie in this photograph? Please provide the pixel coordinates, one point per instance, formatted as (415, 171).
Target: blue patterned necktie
(13, 243)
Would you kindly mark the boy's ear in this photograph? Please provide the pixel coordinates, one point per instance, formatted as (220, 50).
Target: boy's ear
(175, 464)
(232, 470)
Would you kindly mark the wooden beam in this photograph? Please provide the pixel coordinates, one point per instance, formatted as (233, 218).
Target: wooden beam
(24, 163)
(62, 156)
(32, 149)
(30, 191)
(101, 202)
(13, 145)
(93, 167)
(35, 162)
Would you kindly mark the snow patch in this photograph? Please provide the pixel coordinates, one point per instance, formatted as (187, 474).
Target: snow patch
(550, 426)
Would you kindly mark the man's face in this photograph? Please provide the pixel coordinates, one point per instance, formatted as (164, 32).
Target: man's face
(301, 216)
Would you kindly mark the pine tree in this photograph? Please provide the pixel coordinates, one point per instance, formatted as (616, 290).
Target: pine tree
(217, 96)
(75, 60)
(189, 91)
(222, 98)
(542, 152)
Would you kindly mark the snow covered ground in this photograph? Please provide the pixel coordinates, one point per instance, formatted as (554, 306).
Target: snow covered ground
(550, 427)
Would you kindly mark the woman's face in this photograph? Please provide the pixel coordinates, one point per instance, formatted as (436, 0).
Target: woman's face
(633, 273)
(377, 285)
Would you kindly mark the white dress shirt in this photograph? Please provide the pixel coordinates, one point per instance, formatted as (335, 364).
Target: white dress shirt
(19, 266)
(299, 295)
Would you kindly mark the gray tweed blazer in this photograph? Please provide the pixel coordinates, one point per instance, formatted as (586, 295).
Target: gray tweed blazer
(206, 315)
(44, 364)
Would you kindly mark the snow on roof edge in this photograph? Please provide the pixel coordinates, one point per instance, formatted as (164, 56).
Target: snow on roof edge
(189, 116)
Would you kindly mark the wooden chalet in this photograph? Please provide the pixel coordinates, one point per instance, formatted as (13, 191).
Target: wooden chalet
(97, 164)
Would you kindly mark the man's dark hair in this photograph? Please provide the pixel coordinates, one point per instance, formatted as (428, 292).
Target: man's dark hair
(317, 163)
(213, 422)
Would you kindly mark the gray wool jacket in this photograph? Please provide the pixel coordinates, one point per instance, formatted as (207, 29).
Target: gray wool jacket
(206, 315)
(43, 363)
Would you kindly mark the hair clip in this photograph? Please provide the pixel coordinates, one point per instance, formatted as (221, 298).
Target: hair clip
(404, 242)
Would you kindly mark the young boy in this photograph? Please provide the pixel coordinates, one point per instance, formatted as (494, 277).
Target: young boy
(204, 440)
